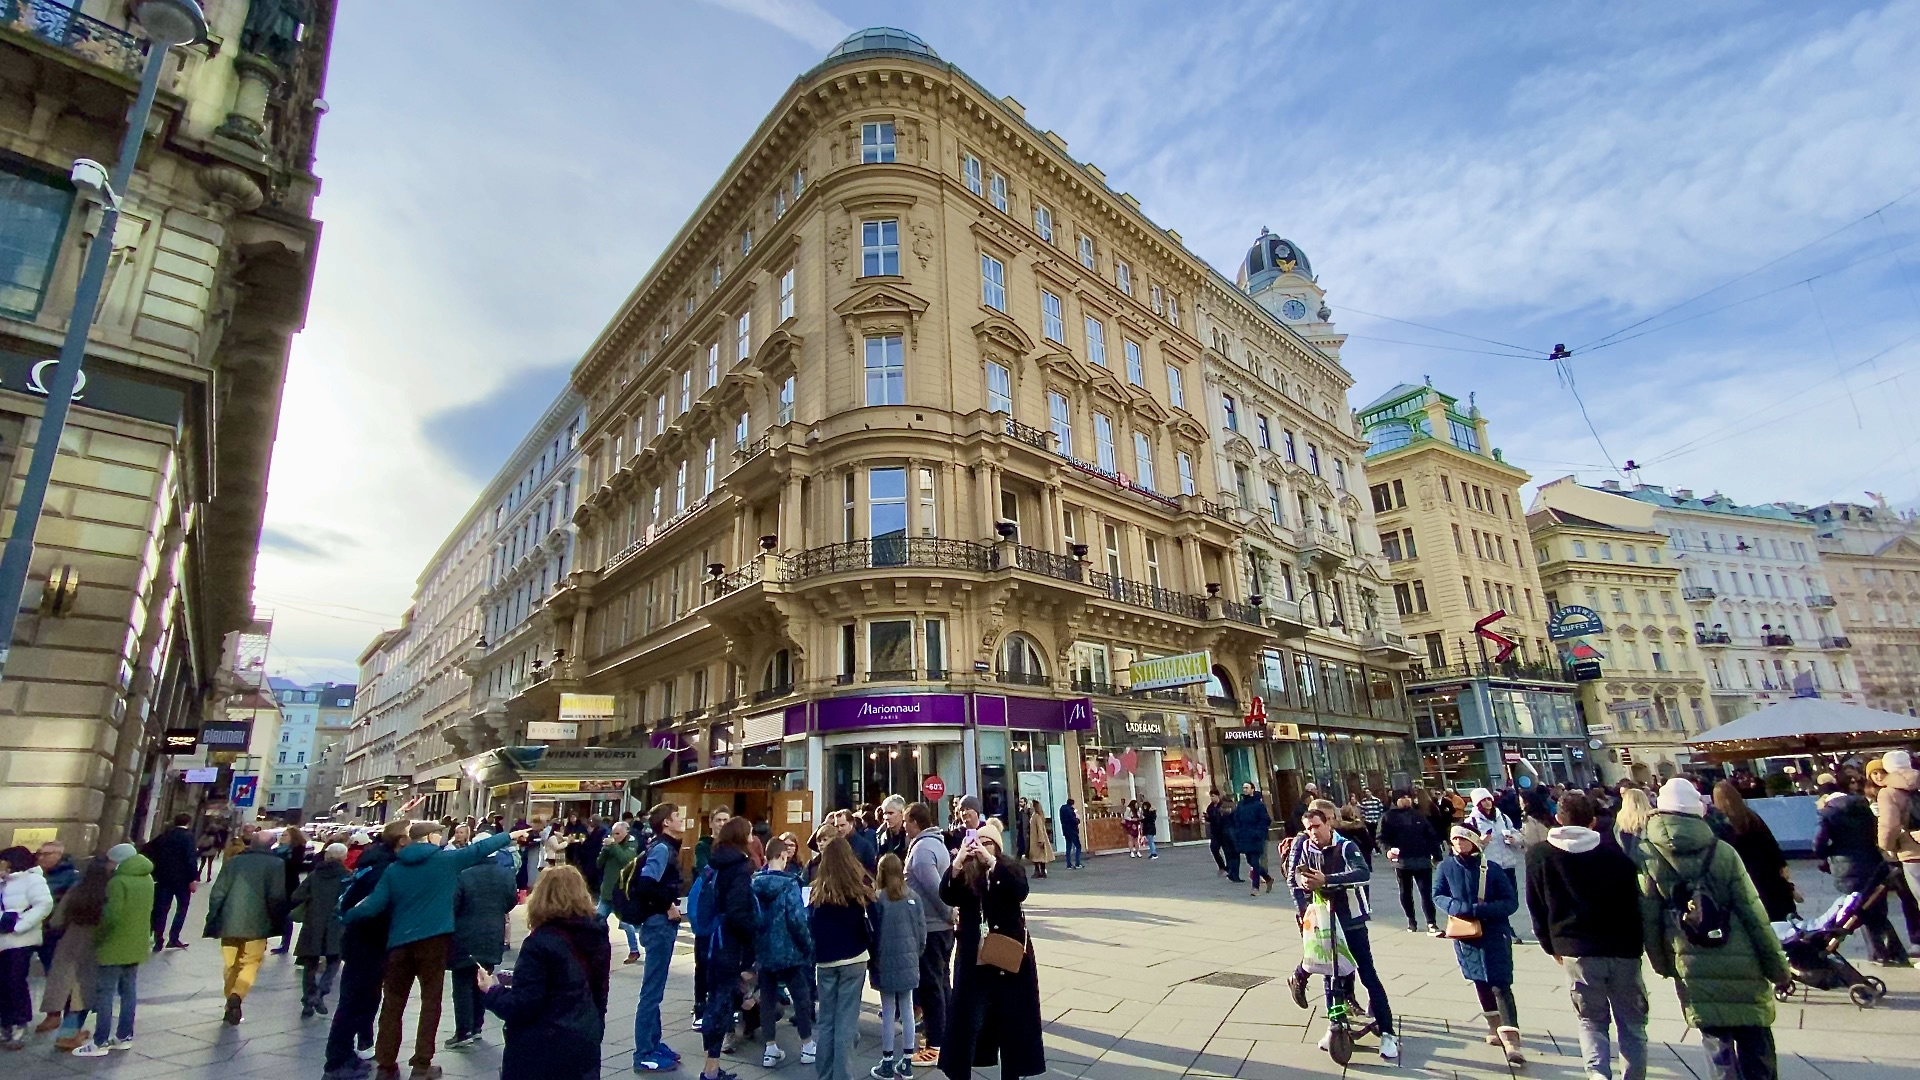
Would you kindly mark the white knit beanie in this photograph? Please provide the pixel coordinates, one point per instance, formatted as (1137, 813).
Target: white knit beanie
(1679, 796)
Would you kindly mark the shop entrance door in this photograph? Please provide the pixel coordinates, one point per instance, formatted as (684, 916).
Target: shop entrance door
(1242, 768)
(866, 774)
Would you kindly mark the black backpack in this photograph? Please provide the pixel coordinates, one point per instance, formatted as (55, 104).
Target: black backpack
(1701, 917)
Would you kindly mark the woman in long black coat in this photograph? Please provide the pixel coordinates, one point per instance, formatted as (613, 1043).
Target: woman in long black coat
(995, 1016)
(556, 1010)
(1759, 851)
(322, 936)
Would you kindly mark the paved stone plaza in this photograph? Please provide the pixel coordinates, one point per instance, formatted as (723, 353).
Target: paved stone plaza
(1121, 945)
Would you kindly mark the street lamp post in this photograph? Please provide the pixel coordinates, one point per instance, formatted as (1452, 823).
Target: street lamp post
(168, 23)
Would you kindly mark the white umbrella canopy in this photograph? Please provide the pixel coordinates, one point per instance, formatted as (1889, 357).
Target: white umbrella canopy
(1807, 725)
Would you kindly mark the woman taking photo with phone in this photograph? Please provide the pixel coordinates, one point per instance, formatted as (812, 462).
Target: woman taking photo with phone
(1477, 896)
(995, 1017)
(554, 1004)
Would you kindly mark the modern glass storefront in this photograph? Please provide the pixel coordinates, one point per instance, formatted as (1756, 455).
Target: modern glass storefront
(1147, 754)
(1482, 732)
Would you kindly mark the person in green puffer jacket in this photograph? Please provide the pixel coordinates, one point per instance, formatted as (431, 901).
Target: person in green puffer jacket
(619, 850)
(1727, 989)
(120, 943)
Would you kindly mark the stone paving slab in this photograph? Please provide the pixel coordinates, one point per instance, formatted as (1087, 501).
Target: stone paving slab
(1120, 945)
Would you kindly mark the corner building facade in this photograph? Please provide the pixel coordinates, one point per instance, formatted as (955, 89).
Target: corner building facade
(897, 462)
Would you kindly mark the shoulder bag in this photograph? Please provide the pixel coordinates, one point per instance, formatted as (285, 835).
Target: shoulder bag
(1004, 951)
(1461, 929)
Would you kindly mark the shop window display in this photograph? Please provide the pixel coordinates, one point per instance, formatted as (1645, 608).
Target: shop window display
(1140, 754)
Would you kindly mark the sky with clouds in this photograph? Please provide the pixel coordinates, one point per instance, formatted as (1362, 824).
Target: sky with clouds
(1713, 204)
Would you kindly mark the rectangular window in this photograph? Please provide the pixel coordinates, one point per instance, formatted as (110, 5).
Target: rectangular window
(740, 432)
(1313, 459)
(1043, 222)
(1096, 342)
(1135, 375)
(686, 390)
(706, 478)
(1103, 441)
(993, 282)
(786, 296)
(799, 183)
(929, 526)
(1273, 504)
(742, 336)
(970, 172)
(680, 489)
(876, 143)
(1186, 472)
(999, 389)
(1176, 388)
(1143, 460)
(1086, 251)
(1123, 277)
(1051, 324)
(660, 414)
(746, 241)
(713, 365)
(779, 204)
(1060, 422)
(786, 401)
(1382, 498)
(880, 248)
(886, 503)
(936, 648)
(1407, 536)
(890, 649)
(1173, 309)
(1113, 551)
(1266, 431)
(1286, 442)
(33, 219)
(1153, 562)
(1240, 490)
(886, 370)
(997, 192)
(1154, 299)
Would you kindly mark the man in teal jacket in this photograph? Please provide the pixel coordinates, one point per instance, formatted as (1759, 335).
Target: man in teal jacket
(417, 891)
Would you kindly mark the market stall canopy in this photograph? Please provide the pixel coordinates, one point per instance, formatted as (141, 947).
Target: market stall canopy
(1806, 726)
(563, 770)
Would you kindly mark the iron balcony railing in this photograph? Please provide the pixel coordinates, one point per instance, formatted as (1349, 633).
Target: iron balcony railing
(746, 452)
(1819, 600)
(913, 552)
(1242, 613)
(1030, 435)
(1107, 689)
(1511, 669)
(1838, 641)
(1022, 678)
(894, 675)
(1053, 565)
(1698, 594)
(83, 36)
(747, 574)
(1143, 595)
(1712, 637)
(1777, 641)
(772, 692)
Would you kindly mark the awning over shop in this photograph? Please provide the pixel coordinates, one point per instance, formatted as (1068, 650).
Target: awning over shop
(1806, 726)
(597, 770)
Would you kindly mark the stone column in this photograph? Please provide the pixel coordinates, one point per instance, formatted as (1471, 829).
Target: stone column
(247, 122)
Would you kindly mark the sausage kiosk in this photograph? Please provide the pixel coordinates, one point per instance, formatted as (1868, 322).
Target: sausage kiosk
(752, 792)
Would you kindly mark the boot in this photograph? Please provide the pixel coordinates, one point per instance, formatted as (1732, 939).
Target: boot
(233, 1009)
(1510, 1038)
(1493, 1027)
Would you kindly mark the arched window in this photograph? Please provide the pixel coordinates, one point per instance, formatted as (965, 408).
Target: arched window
(1220, 685)
(1020, 661)
(779, 673)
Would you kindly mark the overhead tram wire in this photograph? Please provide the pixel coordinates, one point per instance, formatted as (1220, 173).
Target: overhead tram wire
(1529, 350)
(1735, 281)
(1444, 348)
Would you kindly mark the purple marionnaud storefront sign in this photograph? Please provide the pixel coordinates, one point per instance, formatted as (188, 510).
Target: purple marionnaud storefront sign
(888, 710)
(1033, 714)
(796, 720)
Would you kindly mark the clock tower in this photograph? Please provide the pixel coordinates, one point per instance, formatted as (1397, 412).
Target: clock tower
(1277, 275)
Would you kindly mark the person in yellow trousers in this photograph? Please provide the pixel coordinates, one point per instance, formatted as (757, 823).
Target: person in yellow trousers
(243, 911)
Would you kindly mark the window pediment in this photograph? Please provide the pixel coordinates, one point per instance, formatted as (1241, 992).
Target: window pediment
(1239, 449)
(779, 353)
(1001, 336)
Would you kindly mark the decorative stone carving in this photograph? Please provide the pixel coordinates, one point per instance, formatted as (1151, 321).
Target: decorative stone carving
(231, 187)
(922, 241)
(837, 247)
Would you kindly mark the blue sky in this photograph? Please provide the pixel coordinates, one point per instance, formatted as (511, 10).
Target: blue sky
(1522, 174)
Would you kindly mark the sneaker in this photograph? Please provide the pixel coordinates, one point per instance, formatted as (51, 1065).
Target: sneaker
(1325, 1040)
(460, 1042)
(903, 1070)
(306, 1010)
(176, 944)
(772, 1058)
(666, 1053)
(124, 1042)
(1390, 1047)
(884, 1070)
(809, 1050)
(1297, 983)
(90, 1049)
(653, 1063)
(1434, 931)
(929, 1057)
(1150, 857)
(633, 958)
(721, 1075)
(320, 1007)
(699, 1022)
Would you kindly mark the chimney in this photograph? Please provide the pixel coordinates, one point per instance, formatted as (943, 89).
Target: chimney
(1609, 485)
(1015, 107)
(1683, 493)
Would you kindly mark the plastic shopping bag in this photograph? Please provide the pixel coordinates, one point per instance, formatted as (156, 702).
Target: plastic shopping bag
(1323, 948)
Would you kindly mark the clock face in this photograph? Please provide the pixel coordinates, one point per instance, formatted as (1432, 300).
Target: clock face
(1294, 310)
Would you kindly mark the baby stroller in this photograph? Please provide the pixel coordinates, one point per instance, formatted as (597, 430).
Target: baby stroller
(1813, 949)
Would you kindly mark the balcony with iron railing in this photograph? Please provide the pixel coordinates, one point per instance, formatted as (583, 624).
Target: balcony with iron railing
(1510, 669)
(1837, 641)
(1322, 545)
(1038, 561)
(1140, 594)
(890, 552)
(1777, 641)
(1712, 637)
(771, 693)
(1242, 613)
(64, 27)
(1698, 594)
(1819, 600)
(746, 452)
(1102, 688)
(1022, 678)
(1032, 436)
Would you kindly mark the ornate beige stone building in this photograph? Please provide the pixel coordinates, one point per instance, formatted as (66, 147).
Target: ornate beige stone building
(144, 558)
(1872, 558)
(899, 459)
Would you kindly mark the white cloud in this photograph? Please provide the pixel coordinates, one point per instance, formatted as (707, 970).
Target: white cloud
(803, 19)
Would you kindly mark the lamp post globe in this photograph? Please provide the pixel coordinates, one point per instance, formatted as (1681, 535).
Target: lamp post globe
(171, 23)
